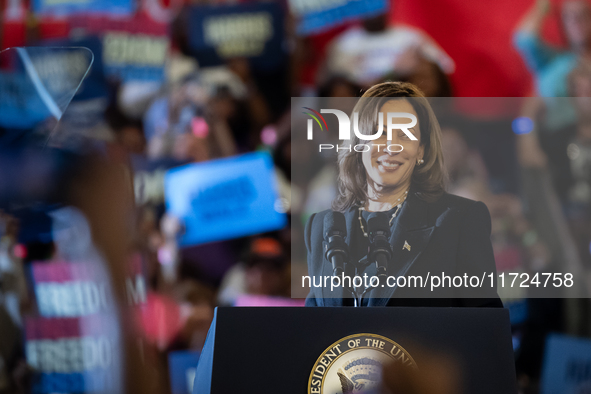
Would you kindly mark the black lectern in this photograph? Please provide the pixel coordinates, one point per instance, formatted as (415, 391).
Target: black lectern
(328, 350)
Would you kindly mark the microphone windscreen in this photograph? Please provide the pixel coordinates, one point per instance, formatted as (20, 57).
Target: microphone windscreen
(378, 221)
(335, 221)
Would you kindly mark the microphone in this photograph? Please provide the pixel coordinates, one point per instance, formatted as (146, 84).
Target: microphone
(380, 250)
(335, 247)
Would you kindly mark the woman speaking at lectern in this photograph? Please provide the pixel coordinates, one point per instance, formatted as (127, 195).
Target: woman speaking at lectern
(430, 231)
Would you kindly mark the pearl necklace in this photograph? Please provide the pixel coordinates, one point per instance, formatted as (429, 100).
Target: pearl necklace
(399, 202)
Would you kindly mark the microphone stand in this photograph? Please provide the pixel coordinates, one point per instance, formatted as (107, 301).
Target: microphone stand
(358, 298)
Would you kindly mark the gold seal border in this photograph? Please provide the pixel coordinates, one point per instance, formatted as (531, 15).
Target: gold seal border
(347, 351)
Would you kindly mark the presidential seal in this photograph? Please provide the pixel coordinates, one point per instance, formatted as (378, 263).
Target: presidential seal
(354, 364)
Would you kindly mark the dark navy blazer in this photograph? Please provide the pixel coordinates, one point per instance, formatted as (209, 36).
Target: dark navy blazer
(450, 236)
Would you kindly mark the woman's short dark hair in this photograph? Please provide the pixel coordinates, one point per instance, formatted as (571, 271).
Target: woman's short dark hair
(428, 180)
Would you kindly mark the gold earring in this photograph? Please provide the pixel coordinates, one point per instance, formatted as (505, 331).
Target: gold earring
(420, 161)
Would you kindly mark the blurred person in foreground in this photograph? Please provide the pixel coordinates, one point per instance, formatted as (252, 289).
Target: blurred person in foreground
(428, 224)
(367, 53)
(439, 374)
(551, 66)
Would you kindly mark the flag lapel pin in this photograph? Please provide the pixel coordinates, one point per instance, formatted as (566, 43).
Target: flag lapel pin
(406, 246)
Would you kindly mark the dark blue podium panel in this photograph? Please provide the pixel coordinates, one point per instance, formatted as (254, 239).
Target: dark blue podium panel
(274, 350)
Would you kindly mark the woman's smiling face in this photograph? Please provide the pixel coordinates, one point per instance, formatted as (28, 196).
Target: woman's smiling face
(391, 170)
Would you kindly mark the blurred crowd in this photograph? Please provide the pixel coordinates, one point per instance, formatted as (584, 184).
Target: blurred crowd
(535, 182)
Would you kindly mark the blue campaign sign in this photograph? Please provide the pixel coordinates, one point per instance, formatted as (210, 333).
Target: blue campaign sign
(567, 365)
(181, 367)
(131, 56)
(68, 7)
(224, 198)
(315, 16)
(132, 49)
(69, 66)
(251, 30)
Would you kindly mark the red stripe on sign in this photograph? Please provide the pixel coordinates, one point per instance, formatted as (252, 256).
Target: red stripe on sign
(50, 328)
(37, 328)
